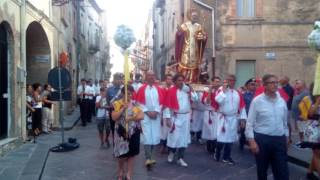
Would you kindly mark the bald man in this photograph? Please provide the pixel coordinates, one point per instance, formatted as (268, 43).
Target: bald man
(284, 82)
(301, 92)
(149, 96)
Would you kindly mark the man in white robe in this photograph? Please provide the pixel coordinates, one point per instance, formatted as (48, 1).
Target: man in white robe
(231, 109)
(197, 116)
(149, 97)
(198, 110)
(209, 129)
(164, 128)
(177, 114)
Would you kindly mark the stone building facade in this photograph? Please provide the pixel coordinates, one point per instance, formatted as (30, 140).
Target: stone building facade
(245, 37)
(32, 35)
(254, 37)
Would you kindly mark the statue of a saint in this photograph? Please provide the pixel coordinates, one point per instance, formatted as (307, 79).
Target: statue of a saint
(189, 47)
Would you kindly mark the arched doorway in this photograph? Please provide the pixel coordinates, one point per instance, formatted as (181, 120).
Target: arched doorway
(5, 40)
(38, 54)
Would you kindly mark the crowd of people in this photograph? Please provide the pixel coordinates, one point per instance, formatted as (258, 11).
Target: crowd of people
(263, 115)
(39, 109)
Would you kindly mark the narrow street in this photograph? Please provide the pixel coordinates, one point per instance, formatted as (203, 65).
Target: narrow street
(89, 162)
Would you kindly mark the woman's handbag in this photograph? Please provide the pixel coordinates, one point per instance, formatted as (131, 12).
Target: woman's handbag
(312, 132)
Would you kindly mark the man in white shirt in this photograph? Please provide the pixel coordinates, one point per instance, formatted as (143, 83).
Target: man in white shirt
(137, 82)
(149, 96)
(98, 86)
(267, 131)
(84, 93)
(92, 101)
(103, 118)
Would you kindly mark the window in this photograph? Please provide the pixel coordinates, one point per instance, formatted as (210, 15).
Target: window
(245, 69)
(246, 8)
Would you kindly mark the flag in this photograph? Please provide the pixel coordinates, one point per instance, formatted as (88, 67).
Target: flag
(126, 68)
(126, 80)
(316, 88)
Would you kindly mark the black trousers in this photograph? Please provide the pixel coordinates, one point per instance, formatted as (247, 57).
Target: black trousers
(112, 123)
(211, 146)
(272, 151)
(178, 151)
(242, 138)
(163, 142)
(198, 134)
(226, 150)
(36, 119)
(84, 111)
(93, 106)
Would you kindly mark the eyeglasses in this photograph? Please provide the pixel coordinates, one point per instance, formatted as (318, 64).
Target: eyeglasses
(272, 82)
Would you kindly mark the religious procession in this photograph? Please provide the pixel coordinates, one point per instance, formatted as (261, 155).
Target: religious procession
(159, 90)
(189, 107)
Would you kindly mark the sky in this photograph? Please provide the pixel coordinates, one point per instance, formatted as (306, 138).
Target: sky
(133, 13)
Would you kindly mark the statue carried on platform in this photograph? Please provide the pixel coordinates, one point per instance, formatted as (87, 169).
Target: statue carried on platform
(189, 48)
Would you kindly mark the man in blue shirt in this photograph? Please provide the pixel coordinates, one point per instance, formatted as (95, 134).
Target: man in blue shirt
(113, 93)
(248, 96)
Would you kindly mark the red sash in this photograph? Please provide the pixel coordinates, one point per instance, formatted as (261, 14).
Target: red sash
(140, 96)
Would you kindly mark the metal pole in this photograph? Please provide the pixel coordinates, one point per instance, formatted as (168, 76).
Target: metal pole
(60, 106)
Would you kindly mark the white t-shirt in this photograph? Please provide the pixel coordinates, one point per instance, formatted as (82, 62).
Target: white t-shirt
(101, 112)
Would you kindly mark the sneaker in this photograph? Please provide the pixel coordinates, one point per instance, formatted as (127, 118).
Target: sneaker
(229, 161)
(148, 162)
(200, 141)
(182, 163)
(170, 157)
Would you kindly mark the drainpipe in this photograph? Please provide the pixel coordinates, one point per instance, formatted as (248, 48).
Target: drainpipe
(23, 65)
(78, 44)
(213, 27)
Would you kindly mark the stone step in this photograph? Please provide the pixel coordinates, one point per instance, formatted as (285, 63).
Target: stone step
(8, 144)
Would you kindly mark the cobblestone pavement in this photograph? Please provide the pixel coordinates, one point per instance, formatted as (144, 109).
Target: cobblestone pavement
(89, 162)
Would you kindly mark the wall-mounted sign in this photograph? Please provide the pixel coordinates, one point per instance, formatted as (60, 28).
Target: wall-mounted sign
(41, 58)
(270, 56)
